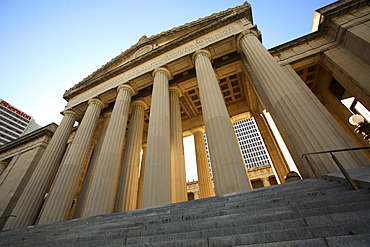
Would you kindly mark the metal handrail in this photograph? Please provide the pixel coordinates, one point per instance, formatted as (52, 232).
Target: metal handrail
(341, 168)
(6, 217)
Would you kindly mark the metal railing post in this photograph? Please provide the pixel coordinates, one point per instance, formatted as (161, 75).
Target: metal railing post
(345, 173)
(313, 170)
(341, 168)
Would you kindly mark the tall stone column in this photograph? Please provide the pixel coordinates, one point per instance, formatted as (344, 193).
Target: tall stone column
(280, 165)
(157, 176)
(91, 170)
(178, 173)
(141, 178)
(126, 198)
(102, 192)
(59, 201)
(31, 199)
(301, 121)
(204, 176)
(229, 172)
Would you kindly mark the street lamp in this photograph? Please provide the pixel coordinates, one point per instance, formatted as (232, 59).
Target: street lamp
(362, 126)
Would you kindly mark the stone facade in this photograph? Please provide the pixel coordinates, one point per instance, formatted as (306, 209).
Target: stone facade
(20, 161)
(188, 80)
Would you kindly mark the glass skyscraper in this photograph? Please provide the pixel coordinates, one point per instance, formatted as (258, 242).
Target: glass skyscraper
(251, 144)
(14, 122)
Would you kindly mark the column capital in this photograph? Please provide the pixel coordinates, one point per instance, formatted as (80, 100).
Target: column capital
(97, 101)
(139, 102)
(198, 129)
(108, 114)
(199, 52)
(176, 88)
(252, 31)
(128, 87)
(71, 112)
(164, 70)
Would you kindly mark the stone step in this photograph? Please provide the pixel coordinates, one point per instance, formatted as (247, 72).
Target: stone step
(269, 208)
(217, 224)
(361, 240)
(309, 204)
(169, 212)
(164, 215)
(232, 236)
(314, 242)
(291, 234)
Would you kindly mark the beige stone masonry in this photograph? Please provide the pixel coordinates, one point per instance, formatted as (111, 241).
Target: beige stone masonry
(265, 181)
(92, 166)
(30, 201)
(126, 198)
(102, 192)
(157, 175)
(16, 181)
(299, 119)
(141, 178)
(204, 176)
(178, 173)
(351, 71)
(229, 172)
(279, 163)
(62, 192)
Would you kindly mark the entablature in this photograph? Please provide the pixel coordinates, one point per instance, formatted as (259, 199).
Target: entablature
(177, 59)
(170, 41)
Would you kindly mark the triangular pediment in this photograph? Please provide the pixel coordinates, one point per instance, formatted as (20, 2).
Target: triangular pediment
(156, 44)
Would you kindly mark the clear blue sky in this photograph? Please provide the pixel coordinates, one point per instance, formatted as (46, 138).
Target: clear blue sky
(48, 46)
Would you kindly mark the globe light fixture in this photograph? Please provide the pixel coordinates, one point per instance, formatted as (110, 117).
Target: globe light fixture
(362, 126)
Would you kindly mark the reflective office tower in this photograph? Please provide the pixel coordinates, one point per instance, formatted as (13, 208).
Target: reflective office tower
(191, 80)
(14, 122)
(257, 160)
(251, 144)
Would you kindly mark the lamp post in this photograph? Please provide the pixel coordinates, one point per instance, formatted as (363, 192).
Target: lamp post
(362, 126)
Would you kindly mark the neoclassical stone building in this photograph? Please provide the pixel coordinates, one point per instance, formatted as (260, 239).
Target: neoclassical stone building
(190, 80)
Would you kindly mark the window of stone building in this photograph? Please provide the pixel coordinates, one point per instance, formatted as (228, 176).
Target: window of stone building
(190, 196)
(257, 184)
(337, 89)
(273, 181)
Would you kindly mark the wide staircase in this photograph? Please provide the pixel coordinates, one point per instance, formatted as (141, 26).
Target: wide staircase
(312, 212)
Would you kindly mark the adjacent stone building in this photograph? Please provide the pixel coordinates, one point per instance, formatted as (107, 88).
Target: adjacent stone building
(190, 80)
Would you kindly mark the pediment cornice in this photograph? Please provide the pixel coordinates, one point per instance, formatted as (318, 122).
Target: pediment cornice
(150, 50)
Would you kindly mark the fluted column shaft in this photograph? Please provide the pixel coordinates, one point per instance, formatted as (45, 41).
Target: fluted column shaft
(178, 173)
(58, 203)
(229, 172)
(129, 179)
(301, 121)
(204, 176)
(280, 165)
(31, 199)
(91, 170)
(102, 192)
(157, 176)
(141, 179)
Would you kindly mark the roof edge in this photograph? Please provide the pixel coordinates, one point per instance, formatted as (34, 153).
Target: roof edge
(88, 82)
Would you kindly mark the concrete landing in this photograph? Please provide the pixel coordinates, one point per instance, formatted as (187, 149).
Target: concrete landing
(360, 175)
